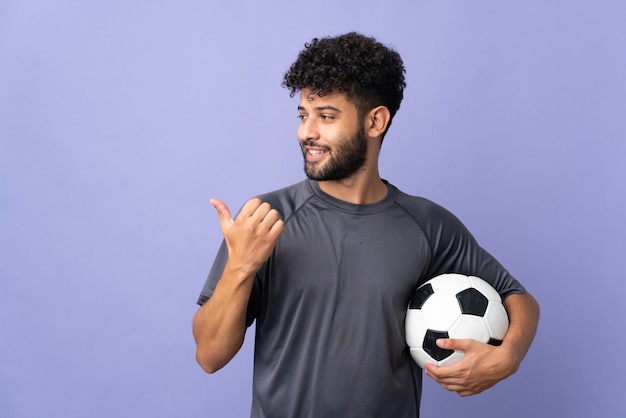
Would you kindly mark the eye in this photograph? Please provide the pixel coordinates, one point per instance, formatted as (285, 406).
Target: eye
(302, 116)
(327, 117)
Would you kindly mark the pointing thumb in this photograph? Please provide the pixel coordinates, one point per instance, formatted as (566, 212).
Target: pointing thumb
(222, 211)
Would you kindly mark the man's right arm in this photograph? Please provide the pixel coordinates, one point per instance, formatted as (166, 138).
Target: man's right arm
(219, 326)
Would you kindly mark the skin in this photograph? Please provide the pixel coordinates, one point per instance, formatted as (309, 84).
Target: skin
(345, 156)
(327, 123)
(484, 365)
(220, 324)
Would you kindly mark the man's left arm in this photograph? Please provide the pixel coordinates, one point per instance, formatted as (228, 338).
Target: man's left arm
(485, 365)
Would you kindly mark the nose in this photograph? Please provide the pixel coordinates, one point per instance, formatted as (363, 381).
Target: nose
(307, 130)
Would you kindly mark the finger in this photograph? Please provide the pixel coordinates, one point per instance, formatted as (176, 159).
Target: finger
(261, 212)
(460, 388)
(448, 382)
(430, 370)
(264, 214)
(277, 228)
(446, 374)
(272, 222)
(222, 211)
(269, 218)
(250, 207)
(454, 343)
(439, 373)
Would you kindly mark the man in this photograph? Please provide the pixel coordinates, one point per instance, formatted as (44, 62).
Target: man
(327, 266)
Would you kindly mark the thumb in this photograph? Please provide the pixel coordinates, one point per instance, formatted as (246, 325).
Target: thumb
(226, 219)
(454, 343)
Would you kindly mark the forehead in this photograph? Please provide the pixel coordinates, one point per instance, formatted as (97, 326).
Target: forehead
(310, 99)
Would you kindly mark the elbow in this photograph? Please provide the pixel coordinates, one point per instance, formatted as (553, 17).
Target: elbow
(206, 363)
(208, 368)
(215, 349)
(212, 357)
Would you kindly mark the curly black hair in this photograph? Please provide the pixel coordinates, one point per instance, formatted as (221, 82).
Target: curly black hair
(368, 72)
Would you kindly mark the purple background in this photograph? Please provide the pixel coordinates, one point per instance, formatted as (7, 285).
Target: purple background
(120, 119)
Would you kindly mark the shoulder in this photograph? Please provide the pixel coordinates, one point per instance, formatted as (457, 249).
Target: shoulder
(288, 199)
(420, 207)
(435, 221)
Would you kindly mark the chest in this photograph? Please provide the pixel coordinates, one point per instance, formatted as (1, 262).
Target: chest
(367, 258)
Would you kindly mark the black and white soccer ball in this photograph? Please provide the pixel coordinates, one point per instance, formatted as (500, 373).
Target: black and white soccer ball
(453, 306)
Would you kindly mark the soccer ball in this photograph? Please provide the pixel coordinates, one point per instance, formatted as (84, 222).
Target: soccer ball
(453, 306)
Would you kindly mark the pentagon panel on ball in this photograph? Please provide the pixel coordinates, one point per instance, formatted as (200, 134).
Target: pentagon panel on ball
(453, 306)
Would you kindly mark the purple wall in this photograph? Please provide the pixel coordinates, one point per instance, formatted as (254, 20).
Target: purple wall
(119, 120)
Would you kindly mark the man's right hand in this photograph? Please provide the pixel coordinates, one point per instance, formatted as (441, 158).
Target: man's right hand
(251, 236)
(219, 326)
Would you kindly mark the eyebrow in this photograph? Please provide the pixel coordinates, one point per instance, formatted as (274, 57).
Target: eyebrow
(321, 108)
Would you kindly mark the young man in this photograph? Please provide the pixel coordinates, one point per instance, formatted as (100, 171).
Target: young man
(327, 266)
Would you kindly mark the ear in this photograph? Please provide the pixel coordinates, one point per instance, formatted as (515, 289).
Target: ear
(377, 121)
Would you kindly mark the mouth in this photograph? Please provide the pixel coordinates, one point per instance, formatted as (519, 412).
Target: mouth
(314, 153)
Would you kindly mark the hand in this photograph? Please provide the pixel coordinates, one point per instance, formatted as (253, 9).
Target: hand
(252, 236)
(481, 367)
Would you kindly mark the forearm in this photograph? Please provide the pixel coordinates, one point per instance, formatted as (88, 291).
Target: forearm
(220, 324)
(523, 311)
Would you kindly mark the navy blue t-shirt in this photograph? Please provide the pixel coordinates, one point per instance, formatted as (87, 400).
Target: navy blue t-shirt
(330, 302)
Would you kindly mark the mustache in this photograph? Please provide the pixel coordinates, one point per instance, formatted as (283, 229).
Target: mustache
(314, 144)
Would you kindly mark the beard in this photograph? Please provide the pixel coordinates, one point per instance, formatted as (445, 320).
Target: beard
(344, 161)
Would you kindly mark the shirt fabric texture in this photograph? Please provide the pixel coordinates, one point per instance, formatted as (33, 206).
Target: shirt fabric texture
(330, 302)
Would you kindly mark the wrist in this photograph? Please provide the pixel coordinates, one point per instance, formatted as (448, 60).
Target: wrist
(239, 273)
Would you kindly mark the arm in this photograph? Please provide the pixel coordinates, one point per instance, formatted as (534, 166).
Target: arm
(220, 324)
(484, 365)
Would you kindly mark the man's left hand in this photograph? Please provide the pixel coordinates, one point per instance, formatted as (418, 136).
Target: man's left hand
(481, 367)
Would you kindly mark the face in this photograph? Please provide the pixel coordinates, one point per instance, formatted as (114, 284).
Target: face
(331, 136)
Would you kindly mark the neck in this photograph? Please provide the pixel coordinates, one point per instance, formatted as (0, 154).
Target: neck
(359, 189)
